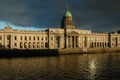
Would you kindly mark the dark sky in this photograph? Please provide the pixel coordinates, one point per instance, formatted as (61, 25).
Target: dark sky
(96, 15)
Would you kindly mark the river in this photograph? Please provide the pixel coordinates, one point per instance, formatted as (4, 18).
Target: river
(105, 66)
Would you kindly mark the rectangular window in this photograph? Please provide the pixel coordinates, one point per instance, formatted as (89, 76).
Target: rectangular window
(25, 38)
(15, 44)
(34, 38)
(8, 45)
(8, 37)
(38, 38)
(46, 38)
(21, 38)
(51, 38)
(42, 38)
(15, 37)
(29, 38)
(0, 37)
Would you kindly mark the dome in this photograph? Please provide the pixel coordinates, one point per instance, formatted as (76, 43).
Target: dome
(67, 13)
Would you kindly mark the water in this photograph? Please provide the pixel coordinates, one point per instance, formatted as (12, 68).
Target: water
(65, 67)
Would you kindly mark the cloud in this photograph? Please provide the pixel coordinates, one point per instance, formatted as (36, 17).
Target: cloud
(97, 15)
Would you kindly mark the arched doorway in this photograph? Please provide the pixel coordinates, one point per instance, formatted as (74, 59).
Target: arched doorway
(33, 44)
(29, 45)
(38, 45)
(21, 45)
(42, 45)
(25, 45)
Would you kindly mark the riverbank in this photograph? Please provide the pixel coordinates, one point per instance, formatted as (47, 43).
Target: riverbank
(54, 52)
(28, 53)
(88, 50)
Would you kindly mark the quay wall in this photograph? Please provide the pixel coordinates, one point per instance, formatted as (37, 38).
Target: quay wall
(54, 52)
(88, 50)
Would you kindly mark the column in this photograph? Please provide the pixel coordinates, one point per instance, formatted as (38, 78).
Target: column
(60, 41)
(71, 42)
(49, 40)
(74, 41)
(11, 42)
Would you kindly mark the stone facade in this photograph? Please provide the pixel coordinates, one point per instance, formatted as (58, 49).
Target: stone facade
(57, 38)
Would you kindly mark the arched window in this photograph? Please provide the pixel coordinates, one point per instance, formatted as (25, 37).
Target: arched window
(46, 45)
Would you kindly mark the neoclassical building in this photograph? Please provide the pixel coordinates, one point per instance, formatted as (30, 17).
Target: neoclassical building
(67, 36)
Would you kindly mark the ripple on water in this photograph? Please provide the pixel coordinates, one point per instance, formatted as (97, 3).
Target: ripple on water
(64, 67)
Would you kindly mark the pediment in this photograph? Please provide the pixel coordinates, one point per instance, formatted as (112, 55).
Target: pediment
(73, 33)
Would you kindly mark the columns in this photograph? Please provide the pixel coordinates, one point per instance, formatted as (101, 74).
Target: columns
(66, 42)
(61, 41)
(72, 41)
(75, 41)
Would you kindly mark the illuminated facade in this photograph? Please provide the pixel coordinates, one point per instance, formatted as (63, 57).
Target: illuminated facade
(57, 38)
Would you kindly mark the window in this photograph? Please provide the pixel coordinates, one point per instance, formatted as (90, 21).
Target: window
(21, 38)
(25, 38)
(46, 38)
(38, 38)
(34, 38)
(29, 38)
(8, 37)
(15, 44)
(1, 45)
(8, 45)
(42, 38)
(15, 37)
(0, 37)
(52, 38)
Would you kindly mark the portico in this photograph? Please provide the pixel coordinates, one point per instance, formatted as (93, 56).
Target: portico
(72, 40)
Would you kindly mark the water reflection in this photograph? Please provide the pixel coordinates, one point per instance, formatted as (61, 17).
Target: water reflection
(65, 67)
(93, 69)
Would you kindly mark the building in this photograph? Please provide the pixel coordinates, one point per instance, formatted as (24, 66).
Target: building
(57, 38)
